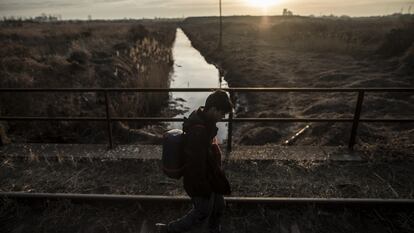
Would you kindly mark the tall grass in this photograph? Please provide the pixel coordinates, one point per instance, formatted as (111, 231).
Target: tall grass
(89, 54)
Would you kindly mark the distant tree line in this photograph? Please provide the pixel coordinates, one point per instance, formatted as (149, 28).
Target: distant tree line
(41, 18)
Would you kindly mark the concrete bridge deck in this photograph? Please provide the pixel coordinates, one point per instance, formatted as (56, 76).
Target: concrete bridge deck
(146, 152)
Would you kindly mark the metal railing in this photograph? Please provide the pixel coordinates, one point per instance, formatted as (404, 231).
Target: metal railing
(400, 204)
(355, 120)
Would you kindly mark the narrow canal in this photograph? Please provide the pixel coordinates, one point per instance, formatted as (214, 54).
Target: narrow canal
(191, 70)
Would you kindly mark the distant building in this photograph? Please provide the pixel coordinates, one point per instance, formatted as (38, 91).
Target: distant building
(46, 18)
(287, 12)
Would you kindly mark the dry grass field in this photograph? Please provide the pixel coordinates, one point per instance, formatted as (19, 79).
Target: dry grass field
(124, 54)
(314, 52)
(267, 178)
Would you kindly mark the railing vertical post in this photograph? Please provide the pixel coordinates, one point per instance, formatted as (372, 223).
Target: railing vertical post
(108, 121)
(357, 115)
(230, 128)
(221, 29)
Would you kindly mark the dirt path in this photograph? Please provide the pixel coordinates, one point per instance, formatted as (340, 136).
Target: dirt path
(287, 178)
(141, 217)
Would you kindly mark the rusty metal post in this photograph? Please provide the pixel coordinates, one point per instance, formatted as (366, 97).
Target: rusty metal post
(108, 120)
(230, 128)
(357, 116)
(221, 29)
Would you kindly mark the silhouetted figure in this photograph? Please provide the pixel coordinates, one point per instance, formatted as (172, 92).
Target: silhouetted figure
(204, 180)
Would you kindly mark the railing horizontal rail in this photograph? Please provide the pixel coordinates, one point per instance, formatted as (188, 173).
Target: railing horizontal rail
(109, 119)
(254, 89)
(373, 202)
(161, 119)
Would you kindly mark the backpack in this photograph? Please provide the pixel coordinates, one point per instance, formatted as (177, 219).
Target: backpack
(173, 156)
(173, 153)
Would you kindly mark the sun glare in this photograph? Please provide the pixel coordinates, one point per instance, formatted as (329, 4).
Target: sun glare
(262, 3)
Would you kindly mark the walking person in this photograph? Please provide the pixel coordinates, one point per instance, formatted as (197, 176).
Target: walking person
(203, 178)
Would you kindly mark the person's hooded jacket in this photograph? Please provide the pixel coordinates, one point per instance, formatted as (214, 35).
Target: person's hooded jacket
(202, 173)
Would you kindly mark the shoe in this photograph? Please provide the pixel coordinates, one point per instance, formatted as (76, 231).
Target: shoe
(161, 228)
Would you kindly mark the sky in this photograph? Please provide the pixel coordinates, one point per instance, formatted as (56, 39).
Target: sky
(119, 9)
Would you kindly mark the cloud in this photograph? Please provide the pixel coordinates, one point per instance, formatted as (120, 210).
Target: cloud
(22, 5)
(14, 5)
(186, 3)
(110, 1)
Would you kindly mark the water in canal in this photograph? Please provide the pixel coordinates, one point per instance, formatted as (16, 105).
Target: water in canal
(191, 70)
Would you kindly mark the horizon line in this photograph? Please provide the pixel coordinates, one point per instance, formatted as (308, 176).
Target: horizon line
(26, 18)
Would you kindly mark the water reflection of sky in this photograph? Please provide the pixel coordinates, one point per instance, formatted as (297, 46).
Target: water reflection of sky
(191, 70)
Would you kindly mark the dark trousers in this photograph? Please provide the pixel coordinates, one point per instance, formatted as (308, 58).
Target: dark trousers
(203, 208)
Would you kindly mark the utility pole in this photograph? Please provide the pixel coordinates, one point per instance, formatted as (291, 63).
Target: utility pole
(221, 29)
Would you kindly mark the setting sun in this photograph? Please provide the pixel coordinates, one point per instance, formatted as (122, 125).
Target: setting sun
(262, 3)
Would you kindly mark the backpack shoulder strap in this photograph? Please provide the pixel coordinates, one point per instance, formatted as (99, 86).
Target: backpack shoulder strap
(198, 126)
